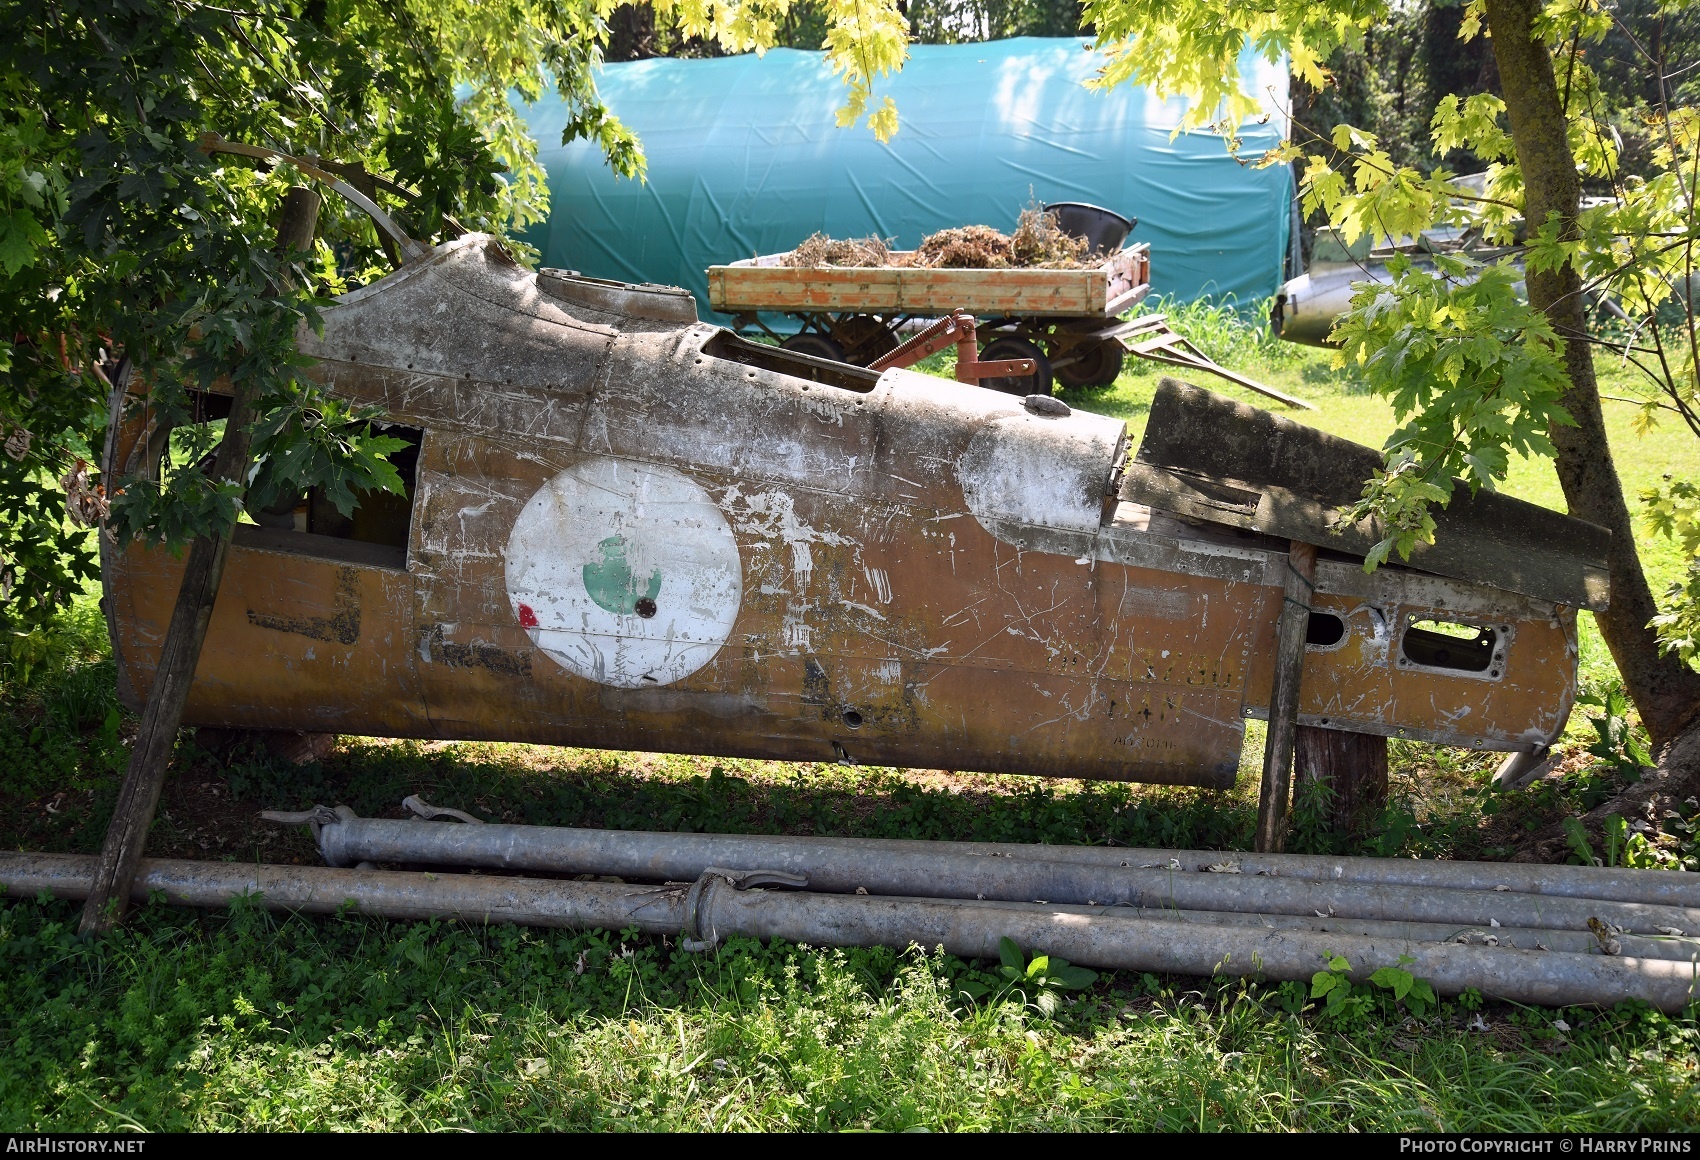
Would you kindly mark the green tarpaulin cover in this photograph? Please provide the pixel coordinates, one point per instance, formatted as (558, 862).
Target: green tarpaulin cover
(745, 158)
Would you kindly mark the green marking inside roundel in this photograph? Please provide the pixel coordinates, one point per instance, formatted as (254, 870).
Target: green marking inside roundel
(611, 583)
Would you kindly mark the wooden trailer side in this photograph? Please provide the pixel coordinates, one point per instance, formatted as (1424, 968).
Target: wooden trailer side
(765, 283)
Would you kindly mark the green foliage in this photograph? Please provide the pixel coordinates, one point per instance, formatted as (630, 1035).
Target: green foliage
(1333, 985)
(864, 41)
(1345, 1002)
(1582, 851)
(1686, 832)
(1471, 369)
(1312, 820)
(330, 446)
(1416, 994)
(1672, 510)
(1038, 982)
(1035, 984)
(963, 21)
(1619, 741)
(1390, 833)
(1473, 378)
(60, 722)
(1192, 48)
(1622, 848)
(230, 1019)
(154, 259)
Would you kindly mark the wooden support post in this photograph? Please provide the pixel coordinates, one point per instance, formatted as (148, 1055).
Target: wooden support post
(138, 798)
(1290, 632)
(1354, 768)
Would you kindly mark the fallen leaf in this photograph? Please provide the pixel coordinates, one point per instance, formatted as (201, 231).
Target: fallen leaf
(1560, 1025)
(1673, 930)
(1606, 934)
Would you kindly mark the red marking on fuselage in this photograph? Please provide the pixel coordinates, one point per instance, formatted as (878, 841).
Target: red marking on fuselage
(527, 618)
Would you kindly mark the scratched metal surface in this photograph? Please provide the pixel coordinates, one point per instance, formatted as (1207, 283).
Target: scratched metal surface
(622, 541)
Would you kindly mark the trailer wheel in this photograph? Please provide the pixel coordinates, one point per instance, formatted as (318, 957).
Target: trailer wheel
(819, 345)
(1093, 366)
(864, 339)
(1038, 383)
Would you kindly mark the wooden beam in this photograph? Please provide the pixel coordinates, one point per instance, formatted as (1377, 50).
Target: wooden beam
(1291, 628)
(1354, 768)
(138, 797)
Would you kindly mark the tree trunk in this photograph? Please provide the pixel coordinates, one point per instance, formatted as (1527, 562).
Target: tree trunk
(1352, 765)
(1672, 790)
(1666, 692)
(138, 798)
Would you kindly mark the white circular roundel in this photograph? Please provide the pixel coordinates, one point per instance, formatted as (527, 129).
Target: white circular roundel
(626, 574)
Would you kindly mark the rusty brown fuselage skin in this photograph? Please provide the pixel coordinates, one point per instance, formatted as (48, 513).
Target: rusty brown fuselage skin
(928, 574)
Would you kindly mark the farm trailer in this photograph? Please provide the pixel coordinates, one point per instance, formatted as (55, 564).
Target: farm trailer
(1066, 321)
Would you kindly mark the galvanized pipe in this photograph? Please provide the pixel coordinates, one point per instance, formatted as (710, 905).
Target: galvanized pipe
(325, 890)
(1659, 887)
(968, 929)
(945, 870)
(1615, 884)
(1676, 948)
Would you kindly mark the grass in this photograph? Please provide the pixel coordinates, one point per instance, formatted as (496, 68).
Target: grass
(246, 1021)
(243, 1019)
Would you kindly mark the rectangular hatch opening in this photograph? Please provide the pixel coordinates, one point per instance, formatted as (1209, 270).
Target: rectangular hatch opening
(793, 364)
(1452, 646)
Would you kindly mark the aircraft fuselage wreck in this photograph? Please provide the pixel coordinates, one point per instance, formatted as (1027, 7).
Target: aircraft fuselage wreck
(628, 529)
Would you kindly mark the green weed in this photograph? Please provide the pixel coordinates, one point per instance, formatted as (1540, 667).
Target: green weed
(1233, 333)
(245, 1020)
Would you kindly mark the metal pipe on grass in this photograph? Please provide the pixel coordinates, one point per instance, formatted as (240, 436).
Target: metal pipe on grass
(1659, 887)
(946, 870)
(1676, 948)
(715, 909)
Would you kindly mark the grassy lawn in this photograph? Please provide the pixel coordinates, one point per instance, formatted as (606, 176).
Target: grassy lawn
(251, 1020)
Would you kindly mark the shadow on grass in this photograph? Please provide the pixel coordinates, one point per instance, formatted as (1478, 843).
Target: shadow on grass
(608, 791)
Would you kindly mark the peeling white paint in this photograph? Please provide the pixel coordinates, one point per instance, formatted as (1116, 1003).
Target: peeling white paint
(601, 539)
(771, 516)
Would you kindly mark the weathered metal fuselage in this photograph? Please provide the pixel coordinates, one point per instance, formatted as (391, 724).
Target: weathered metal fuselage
(630, 531)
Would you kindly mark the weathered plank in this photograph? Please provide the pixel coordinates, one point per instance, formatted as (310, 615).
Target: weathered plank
(765, 284)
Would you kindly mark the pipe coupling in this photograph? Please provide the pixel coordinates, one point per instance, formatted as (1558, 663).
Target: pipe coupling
(699, 936)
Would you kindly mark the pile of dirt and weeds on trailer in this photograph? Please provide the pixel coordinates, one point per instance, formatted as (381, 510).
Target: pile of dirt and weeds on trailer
(819, 250)
(1037, 243)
